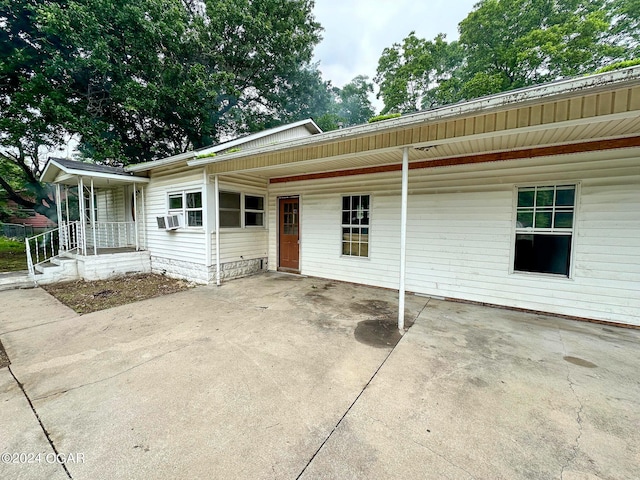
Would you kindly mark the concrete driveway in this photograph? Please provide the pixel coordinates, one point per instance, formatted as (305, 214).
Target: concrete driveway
(285, 377)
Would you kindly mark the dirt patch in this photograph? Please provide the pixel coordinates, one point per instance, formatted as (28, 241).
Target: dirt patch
(4, 359)
(87, 297)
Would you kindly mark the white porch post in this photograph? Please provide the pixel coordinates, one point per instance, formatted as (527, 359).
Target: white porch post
(61, 241)
(92, 215)
(81, 214)
(216, 192)
(66, 201)
(135, 214)
(143, 219)
(403, 236)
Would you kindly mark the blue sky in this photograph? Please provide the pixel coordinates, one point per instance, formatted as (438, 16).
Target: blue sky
(356, 31)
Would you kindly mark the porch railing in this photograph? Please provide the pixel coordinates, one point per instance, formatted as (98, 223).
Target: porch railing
(112, 235)
(41, 248)
(70, 237)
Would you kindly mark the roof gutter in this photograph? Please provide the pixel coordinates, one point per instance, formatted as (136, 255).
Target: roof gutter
(529, 94)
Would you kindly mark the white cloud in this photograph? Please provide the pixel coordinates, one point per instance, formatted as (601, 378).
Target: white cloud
(357, 31)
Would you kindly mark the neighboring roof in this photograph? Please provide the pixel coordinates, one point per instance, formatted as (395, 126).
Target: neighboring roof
(309, 124)
(62, 170)
(571, 110)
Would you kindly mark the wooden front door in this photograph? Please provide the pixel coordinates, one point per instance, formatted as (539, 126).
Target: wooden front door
(289, 234)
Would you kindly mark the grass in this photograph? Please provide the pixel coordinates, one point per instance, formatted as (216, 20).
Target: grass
(12, 255)
(87, 297)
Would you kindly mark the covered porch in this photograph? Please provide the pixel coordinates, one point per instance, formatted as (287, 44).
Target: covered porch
(100, 212)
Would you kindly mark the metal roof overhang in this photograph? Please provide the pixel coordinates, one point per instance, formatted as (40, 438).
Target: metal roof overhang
(56, 173)
(586, 114)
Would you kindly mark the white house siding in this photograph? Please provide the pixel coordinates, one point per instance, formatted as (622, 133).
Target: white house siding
(242, 250)
(110, 204)
(461, 232)
(179, 253)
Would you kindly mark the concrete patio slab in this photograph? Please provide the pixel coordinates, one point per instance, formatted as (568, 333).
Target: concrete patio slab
(271, 377)
(477, 392)
(242, 381)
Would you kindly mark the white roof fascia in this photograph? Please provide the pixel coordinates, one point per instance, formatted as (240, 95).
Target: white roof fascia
(88, 174)
(141, 167)
(220, 147)
(457, 110)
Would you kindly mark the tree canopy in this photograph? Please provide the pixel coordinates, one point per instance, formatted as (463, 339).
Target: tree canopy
(134, 81)
(507, 44)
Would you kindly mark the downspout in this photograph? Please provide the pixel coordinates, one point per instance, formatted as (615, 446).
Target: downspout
(92, 215)
(216, 192)
(403, 236)
(205, 220)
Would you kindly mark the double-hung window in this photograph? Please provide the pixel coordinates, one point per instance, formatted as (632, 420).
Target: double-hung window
(355, 225)
(544, 229)
(188, 205)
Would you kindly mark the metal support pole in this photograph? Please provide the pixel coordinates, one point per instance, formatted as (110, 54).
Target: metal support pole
(216, 193)
(135, 214)
(403, 236)
(82, 215)
(60, 222)
(143, 219)
(92, 215)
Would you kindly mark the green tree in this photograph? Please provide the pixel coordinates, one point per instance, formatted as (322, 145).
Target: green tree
(507, 44)
(409, 73)
(134, 81)
(353, 103)
(515, 43)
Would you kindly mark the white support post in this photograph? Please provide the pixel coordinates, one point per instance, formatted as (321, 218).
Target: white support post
(81, 214)
(143, 219)
(61, 236)
(216, 193)
(135, 214)
(403, 236)
(92, 215)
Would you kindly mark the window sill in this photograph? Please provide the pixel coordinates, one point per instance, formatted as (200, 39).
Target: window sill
(557, 276)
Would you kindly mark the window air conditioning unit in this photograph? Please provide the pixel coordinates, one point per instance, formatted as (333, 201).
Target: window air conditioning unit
(168, 222)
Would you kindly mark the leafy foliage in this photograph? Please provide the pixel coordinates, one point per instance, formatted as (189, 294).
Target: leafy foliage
(134, 81)
(508, 44)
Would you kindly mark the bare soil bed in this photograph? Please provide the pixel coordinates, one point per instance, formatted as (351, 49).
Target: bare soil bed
(87, 297)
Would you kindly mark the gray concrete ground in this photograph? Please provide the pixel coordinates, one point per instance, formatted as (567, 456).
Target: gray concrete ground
(264, 378)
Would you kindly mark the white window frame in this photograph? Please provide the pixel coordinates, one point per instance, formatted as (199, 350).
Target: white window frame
(243, 210)
(250, 210)
(351, 225)
(547, 231)
(183, 211)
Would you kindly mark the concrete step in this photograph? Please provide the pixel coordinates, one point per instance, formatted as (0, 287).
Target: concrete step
(12, 280)
(62, 260)
(47, 267)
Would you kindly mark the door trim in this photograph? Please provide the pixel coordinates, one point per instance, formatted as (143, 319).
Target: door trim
(278, 267)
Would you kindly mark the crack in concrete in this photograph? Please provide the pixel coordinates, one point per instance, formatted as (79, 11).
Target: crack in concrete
(112, 376)
(576, 444)
(44, 430)
(436, 453)
(358, 396)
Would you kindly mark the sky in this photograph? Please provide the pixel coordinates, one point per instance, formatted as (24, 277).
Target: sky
(356, 31)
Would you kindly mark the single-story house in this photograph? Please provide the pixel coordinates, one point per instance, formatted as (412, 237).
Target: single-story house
(527, 199)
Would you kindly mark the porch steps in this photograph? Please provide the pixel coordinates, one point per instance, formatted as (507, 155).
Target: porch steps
(13, 280)
(57, 269)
